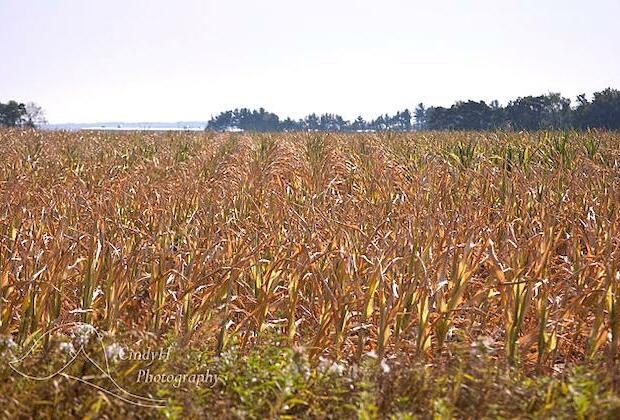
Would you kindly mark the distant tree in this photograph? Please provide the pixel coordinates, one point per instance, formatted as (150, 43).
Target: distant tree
(359, 124)
(498, 115)
(439, 118)
(379, 124)
(550, 111)
(311, 122)
(579, 114)
(35, 115)
(471, 115)
(13, 114)
(289, 125)
(526, 113)
(401, 121)
(602, 112)
(420, 117)
(557, 113)
(332, 122)
(263, 121)
(245, 119)
(223, 121)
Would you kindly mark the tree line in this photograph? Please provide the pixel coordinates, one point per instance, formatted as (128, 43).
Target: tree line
(261, 120)
(550, 111)
(545, 112)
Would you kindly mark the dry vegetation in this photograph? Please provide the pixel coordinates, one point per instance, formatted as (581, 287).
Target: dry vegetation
(414, 246)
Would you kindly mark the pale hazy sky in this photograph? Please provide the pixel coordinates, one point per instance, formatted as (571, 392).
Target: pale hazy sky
(156, 60)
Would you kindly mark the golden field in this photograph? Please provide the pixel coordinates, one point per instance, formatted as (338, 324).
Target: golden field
(345, 242)
(413, 246)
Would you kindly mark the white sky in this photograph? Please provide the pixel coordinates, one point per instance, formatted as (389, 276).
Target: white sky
(156, 60)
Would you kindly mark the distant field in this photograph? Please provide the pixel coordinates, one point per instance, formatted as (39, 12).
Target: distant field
(423, 249)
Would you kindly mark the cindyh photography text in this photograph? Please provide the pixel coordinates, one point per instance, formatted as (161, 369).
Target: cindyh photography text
(145, 375)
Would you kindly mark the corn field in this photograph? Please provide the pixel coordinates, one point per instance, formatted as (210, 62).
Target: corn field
(408, 245)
